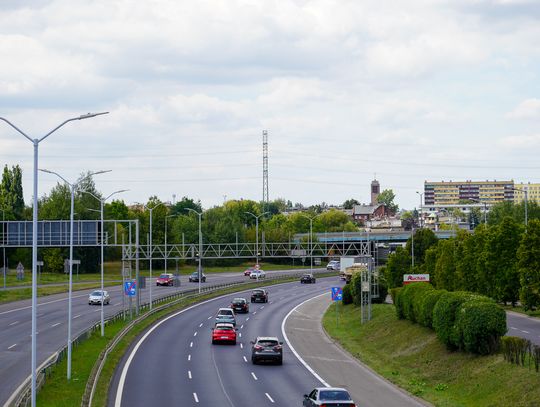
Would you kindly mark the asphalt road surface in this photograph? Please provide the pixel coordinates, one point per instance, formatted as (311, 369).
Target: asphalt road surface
(175, 364)
(15, 324)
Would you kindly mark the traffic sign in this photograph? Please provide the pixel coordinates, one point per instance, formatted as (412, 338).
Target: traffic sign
(130, 288)
(337, 294)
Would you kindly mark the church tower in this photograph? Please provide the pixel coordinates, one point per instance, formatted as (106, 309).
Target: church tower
(375, 191)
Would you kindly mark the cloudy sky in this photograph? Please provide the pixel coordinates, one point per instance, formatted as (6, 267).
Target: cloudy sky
(407, 90)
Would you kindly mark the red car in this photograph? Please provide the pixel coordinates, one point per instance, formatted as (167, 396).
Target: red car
(224, 332)
(248, 271)
(165, 279)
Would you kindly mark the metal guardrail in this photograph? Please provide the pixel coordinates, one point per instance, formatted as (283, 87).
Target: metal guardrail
(22, 396)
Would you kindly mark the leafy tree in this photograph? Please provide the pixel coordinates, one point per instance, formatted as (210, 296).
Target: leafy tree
(349, 203)
(503, 243)
(179, 208)
(445, 267)
(11, 193)
(387, 197)
(474, 218)
(423, 240)
(399, 263)
(529, 266)
(53, 260)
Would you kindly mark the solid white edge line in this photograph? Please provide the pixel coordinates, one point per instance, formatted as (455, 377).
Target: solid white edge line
(270, 398)
(122, 380)
(308, 367)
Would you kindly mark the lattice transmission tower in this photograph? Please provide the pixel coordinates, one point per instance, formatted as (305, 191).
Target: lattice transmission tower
(265, 170)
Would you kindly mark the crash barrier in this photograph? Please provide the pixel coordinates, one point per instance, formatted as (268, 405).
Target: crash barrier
(22, 396)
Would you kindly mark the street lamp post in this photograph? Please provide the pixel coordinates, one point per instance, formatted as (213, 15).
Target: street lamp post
(73, 188)
(167, 217)
(150, 242)
(485, 207)
(421, 194)
(310, 238)
(101, 206)
(257, 236)
(200, 244)
(35, 142)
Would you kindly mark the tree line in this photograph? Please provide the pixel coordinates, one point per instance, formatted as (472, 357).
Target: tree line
(500, 259)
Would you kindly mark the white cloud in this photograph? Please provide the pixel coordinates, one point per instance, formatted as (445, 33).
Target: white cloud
(528, 109)
(521, 142)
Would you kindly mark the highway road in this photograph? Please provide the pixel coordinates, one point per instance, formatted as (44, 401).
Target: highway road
(175, 364)
(15, 324)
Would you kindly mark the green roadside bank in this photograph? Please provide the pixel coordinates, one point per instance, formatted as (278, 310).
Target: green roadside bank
(412, 357)
(57, 391)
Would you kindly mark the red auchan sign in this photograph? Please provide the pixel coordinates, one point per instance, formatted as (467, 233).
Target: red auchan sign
(415, 278)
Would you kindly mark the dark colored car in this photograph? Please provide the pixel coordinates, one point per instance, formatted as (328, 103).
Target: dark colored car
(224, 333)
(307, 279)
(240, 305)
(249, 271)
(165, 279)
(194, 277)
(266, 349)
(328, 396)
(259, 295)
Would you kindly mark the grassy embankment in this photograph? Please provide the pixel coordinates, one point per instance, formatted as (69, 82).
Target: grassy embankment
(58, 392)
(411, 357)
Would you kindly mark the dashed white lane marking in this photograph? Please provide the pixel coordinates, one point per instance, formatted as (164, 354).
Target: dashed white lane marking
(247, 319)
(189, 358)
(270, 398)
(195, 397)
(239, 334)
(254, 377)
(53, 325)
(241, 346)
(262, 307)
(12, 346)
(189, 374)
(270, 302)
(525, 332)
(191, 345)
(117, 304)
(14, 323)
(210, 317)
(200, 326)
(513, 327)
(195, 334)
(76, 316)
(254, 312)
(245, 359)
(241, 326)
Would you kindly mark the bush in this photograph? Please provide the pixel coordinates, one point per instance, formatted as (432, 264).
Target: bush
(347, 296)
(383, 290)
(444, 316)
(427, 304)
(396, 299)
(515, 349)
(407, 298)
(356, 288)
(479, 326)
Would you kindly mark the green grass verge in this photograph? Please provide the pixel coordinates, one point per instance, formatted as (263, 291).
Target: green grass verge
(412, 357)
(535, 313)
(58, 392)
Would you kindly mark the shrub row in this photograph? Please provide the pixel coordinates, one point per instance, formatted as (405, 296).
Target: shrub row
(355, 287)
(521, 351)
(462, 320)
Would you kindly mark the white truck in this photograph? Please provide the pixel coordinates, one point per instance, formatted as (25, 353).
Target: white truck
(344, 263)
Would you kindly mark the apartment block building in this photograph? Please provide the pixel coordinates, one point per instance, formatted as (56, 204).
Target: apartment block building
(453, 193)
(533, 192)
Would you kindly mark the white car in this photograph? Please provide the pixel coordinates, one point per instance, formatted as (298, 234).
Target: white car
(97, 296)
(256, 274)
(333, 265)
(328, 396)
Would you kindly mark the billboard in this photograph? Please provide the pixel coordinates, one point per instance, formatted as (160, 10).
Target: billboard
(415, 278)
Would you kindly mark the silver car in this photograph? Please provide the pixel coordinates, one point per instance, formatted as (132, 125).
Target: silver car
(97, 296)
(328, 396)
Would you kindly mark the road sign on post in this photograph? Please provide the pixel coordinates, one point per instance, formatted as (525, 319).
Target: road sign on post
(130, 288)
(337, 294)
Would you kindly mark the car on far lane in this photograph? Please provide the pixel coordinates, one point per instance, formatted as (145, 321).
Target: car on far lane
(257, 273)
(98, 296)
(328, 396)
(165, 279)
(240, 305)
(266, 348)
(226, 315)
(333, 265)
(259, 295)
(224, 332)
(194, 277)
(307, 278)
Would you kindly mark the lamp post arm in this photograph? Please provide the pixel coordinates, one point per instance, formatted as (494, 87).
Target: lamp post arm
(16, 128)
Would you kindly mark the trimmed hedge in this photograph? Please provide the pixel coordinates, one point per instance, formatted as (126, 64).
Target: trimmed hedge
(410, 295)
(383, 290)
(347, 295)
(462, 320)
(479, 326)
(425, 315)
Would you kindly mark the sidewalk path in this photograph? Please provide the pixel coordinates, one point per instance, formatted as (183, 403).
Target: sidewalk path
(336, 366)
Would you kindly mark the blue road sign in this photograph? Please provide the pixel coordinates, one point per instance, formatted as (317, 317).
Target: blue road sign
(130, 288)
(337, 294)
